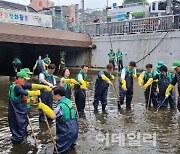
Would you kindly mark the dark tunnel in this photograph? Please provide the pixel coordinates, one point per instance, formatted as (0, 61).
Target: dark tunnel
(28, 54)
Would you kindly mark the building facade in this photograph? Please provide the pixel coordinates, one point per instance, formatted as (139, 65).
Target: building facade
(40, 4)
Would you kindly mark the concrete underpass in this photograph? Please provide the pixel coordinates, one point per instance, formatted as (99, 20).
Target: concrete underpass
(28, 43)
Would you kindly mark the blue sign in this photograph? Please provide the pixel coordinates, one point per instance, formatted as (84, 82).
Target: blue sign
(115, 5)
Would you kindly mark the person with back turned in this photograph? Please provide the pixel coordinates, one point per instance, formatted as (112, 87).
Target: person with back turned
(112, 56)
(119, 55)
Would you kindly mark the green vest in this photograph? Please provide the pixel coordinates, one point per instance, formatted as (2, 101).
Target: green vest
(111, 55)
(47, 60)
(12, 94)
(49, 78)
(105, 73)
(67, 106)
(83, 75)
(127, 71)
(28, 105)
(149, 75)
(168, 76)
(119, 55)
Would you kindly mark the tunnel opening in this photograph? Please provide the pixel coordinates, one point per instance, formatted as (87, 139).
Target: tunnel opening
(28, 54)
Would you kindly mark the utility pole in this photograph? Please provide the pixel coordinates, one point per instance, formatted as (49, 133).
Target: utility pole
(168, 7)
(46, 3)
(107, 10)
(82, 17)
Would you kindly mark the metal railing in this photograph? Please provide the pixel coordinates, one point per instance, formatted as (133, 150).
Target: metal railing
(144, 25)
(64, 24)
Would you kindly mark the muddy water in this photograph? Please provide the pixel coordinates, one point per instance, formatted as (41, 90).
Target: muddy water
(125, 132)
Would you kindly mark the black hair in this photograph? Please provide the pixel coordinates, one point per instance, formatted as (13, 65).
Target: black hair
(149, 66)
(84, 66)
(132, 63)
(163, 69)
(127, 13)
(64, 70)
(52, 66)
(109, 66)
(59, 90)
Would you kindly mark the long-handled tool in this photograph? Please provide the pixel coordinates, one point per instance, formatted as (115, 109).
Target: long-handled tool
(75, 106)
(133, 99)
(32, 130)
(50, 132)
(161, 105)
(118, 100)
(89, 107)
(149, 99)
(176, 100)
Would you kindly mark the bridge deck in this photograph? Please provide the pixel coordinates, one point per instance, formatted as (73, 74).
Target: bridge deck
(45, 36)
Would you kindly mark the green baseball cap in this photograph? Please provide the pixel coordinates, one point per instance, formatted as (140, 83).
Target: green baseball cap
(176, 64)
(23, 74)
(27, 70)
(159, 64)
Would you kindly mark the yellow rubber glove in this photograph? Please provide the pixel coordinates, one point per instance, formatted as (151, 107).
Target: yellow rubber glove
(134, 76)
(67, 81)
(169, 88)
(155, 80)
(47, 88)
(31, 100)
(73, 81)
(157, 89)
(123, 85)
(45, 66)
(47, 110)
(83, 84)
(40, 86)
(87, 83)
(34, 67)
(37, 86)
(140, 79)
(105, 78)
(148, 83)
(34, 93)
(112, 77)
(72, 86)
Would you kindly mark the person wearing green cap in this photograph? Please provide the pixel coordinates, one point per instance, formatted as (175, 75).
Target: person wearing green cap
(17, 111)
(29, 99)
(164, 80)
(158, 65)
(112, 56)
(176, 79)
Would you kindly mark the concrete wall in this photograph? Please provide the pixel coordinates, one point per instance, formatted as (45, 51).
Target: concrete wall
(76, 57)
(136, 46)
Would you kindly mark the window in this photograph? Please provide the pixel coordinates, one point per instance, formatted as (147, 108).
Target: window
(153, 6)
(40, 3)
(162, 5)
